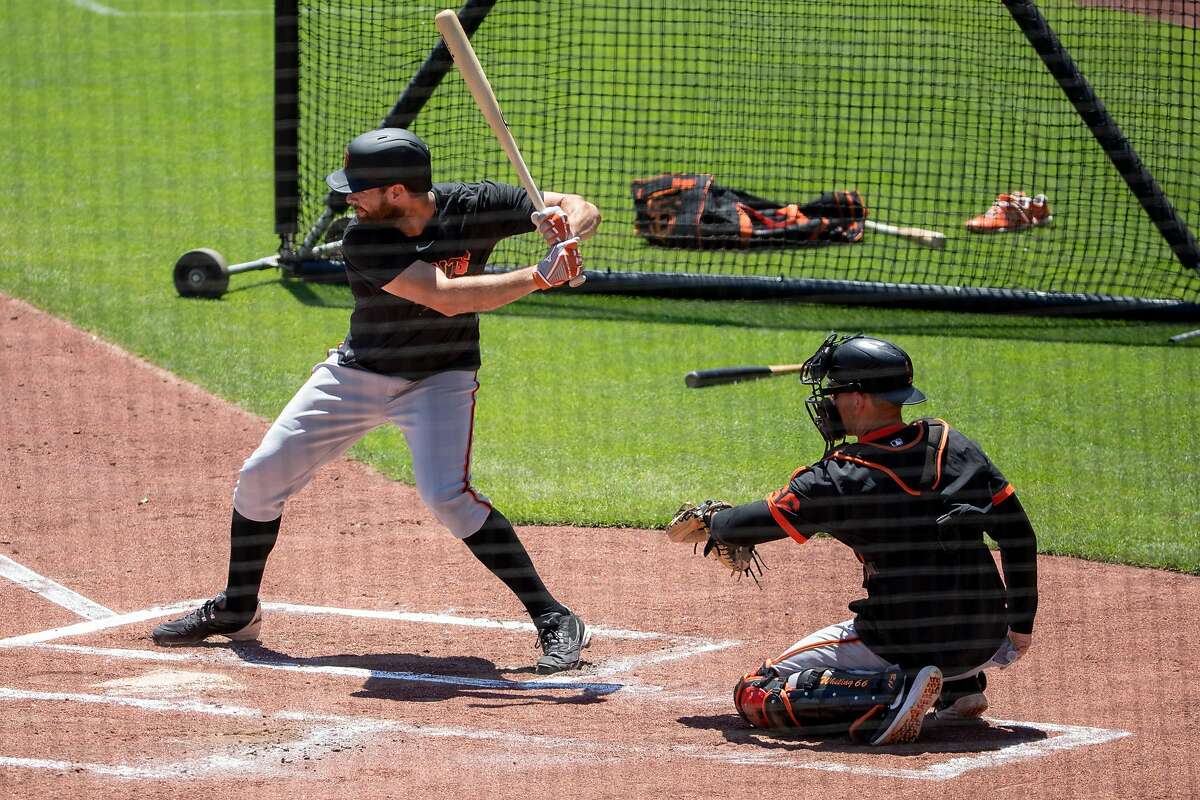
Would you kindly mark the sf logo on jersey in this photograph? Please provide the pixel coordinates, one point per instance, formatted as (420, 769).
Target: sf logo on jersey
(454, 267)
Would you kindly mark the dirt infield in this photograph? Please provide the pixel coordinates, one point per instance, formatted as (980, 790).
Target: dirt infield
(393, 665)
(1177, 12)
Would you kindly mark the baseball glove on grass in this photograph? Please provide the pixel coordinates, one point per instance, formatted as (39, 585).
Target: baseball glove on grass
(690, 525)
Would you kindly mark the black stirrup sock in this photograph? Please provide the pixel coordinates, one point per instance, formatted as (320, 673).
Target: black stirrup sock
(250, 543)
(496, 545)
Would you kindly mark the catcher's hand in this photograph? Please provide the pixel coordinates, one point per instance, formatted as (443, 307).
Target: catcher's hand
(742, 559)
(690, 525)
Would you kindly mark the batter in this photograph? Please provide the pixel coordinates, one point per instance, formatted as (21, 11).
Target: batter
(415, 255)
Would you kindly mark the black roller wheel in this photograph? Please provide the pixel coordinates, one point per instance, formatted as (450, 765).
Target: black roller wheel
(201, 273)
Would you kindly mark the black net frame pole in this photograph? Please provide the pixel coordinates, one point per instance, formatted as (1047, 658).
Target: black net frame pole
(929, 297)
(1106, 131)
(430, 74)
(287, 116)
(1183, 337)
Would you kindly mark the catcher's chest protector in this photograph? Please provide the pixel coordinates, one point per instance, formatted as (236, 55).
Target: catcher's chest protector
(689, 209)
(916, 468)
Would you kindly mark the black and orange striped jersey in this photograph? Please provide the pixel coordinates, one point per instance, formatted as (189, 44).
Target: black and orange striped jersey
(913, 502)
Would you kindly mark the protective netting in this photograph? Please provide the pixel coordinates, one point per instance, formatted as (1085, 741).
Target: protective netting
(929, 109)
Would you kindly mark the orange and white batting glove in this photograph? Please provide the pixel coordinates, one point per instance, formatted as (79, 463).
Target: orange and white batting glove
(552, 223)
(563, 263)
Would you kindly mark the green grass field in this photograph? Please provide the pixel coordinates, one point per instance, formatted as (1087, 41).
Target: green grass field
(929, 108)
(130, 138)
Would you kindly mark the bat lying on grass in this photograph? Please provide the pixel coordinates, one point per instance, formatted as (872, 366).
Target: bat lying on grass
(934, 239)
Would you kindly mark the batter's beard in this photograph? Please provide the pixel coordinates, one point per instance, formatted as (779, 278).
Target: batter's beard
(379, 215)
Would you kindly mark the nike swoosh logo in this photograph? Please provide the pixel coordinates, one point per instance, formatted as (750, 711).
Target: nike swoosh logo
(421, 248)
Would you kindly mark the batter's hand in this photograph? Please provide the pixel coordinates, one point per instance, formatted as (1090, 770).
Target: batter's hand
(563, 263)
(552, 224)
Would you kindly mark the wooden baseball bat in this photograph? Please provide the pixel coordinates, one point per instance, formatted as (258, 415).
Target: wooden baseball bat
(473, 75)
(698, 379)
(934, 239)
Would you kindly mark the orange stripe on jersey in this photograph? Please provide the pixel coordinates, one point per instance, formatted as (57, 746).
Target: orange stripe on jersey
(800, 470)
(466, 474)
(880, 467)
(1002, 495)
(940, 453)
(783, 523)
(814, 646)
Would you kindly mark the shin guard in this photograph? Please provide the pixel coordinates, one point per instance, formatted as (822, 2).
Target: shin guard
(817, 702)
(751, 693)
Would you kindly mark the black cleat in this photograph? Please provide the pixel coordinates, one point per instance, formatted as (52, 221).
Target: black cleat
(902, 724)
(210, 619)
(562, 637)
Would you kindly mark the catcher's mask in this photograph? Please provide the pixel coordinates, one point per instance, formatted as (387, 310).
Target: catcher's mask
(855, 363)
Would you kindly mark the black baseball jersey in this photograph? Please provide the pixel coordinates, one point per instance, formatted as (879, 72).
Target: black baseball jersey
(913, 502)
(394, 336)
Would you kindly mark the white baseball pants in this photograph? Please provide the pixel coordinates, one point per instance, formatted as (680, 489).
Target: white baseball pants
(339, 405)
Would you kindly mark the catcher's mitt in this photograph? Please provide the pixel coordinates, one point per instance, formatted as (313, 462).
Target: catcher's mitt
(690, 525)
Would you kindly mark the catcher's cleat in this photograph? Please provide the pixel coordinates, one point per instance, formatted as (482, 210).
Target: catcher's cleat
(966, 709)
(903, 720)
(1012, 212)
(962, 701)
(210, 619)
(562, 638)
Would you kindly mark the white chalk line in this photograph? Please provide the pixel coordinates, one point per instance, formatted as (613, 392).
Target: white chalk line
(326, 733)
(100, 618)
(109, 11)
(52, 591)
(450, 619)
(1069, 737)
(322, 734)
(678, 647)
(90, 626)
(645, 692)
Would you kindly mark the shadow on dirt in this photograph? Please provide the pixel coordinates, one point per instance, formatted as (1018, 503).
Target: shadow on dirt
(409, 677)
(973, 737)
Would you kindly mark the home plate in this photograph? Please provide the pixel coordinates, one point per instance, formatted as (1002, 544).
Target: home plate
(169, 683)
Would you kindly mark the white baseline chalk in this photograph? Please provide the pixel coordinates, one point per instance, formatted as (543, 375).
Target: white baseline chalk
(52, 591)
(327, 732)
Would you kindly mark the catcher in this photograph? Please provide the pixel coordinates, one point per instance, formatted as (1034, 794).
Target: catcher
(913, 502)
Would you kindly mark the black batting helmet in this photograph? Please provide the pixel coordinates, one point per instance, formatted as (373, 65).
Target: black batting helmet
(383, 157)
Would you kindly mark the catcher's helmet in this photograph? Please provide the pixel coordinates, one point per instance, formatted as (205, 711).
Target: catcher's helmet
(382, 157)
(855, 364)
(865, 364)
